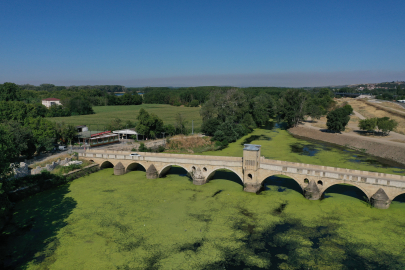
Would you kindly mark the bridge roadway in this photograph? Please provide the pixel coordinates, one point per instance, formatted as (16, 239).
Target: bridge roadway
(252, 169)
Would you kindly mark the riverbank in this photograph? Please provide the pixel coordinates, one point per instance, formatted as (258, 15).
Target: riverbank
(383, 149)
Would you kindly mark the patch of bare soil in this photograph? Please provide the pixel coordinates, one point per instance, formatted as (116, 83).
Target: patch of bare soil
(379, 149)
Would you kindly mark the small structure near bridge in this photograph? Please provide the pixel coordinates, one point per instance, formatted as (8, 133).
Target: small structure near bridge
(128, 133)
(97, 139)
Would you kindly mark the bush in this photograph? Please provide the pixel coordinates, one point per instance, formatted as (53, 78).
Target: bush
(143, 148)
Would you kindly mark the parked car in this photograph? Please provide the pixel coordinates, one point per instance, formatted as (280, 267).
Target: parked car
(62, 147)
(135, 155)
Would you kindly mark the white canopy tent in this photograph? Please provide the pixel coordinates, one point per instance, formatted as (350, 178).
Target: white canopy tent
(125, 132)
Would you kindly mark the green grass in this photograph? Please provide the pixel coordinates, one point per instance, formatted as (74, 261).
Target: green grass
(103, 221)
(276, 144)
(104, 114)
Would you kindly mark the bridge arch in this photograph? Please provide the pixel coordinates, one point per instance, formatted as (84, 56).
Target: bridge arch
(347, 184)
(167, 167)
(301, 184)
(401, 194)
(106, 164)
(134, 166)
(211, 173)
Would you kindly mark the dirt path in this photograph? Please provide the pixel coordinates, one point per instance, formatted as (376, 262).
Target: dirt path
(359, 115)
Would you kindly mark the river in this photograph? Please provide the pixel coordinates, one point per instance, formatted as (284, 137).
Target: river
(103, 221)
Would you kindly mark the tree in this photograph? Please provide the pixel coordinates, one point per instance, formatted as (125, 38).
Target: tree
(368, 125)
(149, 124)
(262, 108)
(169, 130)
(348, 109)
(65, 133)
(292, 106)
(194, 103)
(8, 151)
(180, 124)
(44, 133)
(57, 111)
(209, 126)
(337, 120)
(386, 125)
(78, 106)
(9, 92)
(314, 110)
(248, 122)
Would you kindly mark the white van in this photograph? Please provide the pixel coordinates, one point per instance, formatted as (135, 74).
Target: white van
(62, 147)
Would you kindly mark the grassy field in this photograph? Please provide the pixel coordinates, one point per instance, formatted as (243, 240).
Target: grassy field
(103, 221)
(104, 114)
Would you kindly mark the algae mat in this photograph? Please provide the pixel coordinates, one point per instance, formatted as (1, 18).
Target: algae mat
(103, 221)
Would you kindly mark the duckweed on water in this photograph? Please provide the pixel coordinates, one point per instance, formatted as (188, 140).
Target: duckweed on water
(103, 221)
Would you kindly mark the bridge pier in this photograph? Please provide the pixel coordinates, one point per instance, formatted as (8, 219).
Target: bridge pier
(380, 200)
(151, 172)
(119, 169)
(198, 177)
(311, 192)
(252, 187)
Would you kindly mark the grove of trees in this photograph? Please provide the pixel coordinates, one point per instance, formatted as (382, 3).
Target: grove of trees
(384, 125)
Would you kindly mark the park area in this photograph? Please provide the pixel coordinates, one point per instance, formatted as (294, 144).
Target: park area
(105, 114)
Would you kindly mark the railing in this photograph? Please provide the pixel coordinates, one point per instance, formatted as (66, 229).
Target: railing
(332, 169)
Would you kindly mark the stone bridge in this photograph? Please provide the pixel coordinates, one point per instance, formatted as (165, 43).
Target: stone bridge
(252, 169)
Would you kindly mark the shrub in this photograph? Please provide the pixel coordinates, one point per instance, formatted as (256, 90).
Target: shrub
(143, 148)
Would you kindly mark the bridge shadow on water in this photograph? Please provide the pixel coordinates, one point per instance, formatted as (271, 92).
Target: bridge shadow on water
(31, 234)
(400, 198)
(344, 189)
(177, 170)
(226, 175)
(280, 184)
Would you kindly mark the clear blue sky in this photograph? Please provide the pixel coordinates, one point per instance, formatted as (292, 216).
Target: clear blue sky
(179, 43)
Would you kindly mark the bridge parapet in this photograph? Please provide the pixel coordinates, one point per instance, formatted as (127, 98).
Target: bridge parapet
(332, 172)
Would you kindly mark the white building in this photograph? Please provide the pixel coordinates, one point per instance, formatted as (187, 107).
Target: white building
(126, 133)
(48, 102)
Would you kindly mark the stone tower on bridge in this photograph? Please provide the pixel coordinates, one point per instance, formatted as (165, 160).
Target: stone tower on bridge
(251, 166)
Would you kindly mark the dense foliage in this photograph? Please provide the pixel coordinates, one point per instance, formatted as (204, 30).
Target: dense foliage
(230, 114)
(384, 125)
(338, 119)
(295, 104)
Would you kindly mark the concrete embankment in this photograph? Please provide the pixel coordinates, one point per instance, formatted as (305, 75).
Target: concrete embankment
(383, 149)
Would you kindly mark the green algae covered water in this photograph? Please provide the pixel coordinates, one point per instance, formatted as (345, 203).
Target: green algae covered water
(103, 221)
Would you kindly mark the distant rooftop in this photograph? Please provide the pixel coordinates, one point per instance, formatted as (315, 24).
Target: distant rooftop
(51, 99)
